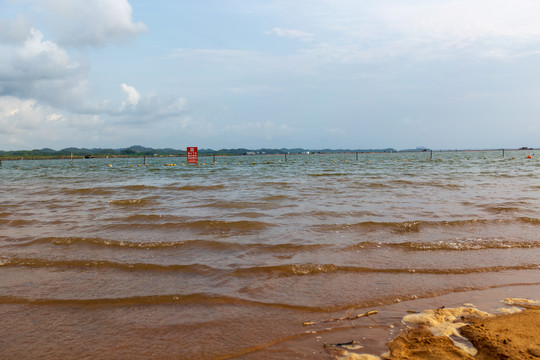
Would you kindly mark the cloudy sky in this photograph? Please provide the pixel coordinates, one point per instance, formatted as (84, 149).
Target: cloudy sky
(445, 74)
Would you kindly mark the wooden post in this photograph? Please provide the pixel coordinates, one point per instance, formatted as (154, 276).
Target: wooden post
(503, 153)
(71, 159)
(431, 155)
(357, 155)
(214, 159)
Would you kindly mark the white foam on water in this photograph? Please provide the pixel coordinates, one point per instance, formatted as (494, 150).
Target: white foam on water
(518, 301)
(445, 322)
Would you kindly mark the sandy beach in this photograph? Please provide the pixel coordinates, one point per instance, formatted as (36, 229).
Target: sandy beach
(464, 333)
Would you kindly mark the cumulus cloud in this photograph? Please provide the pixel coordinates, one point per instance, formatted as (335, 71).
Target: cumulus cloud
(18, 116)
(14, 30)
(146, 109)
(40, 69)
(133, 95)
(95, 23)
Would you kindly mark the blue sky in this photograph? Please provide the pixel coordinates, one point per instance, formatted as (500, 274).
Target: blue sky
(445, 74)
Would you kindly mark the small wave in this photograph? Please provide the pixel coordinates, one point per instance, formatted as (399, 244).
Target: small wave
(89, 191)
(401, 182)
(316, 269)
(65, 241)
(194, 298)
(205, 227)
(156, 245)
(533, 221)
(278, 198)
(442, 185)
(138, 187)
(262, 205)
(500, 208)
(400, 227)
(228, 225)
(233, 205)
(130, 202)
(149, 218)
(17, 222)
(328, 174)
(102, 264)
(472, 244)
(194, 187)
(276, 184)
(374, 185)
(414, 226)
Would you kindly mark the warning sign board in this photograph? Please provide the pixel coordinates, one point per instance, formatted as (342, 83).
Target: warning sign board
(192, 155)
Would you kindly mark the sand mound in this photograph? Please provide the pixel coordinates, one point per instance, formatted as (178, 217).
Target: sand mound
(467, 333)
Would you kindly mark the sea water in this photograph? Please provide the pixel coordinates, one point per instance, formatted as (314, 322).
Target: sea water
(151, 258)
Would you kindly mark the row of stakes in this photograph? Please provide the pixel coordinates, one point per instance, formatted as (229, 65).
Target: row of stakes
(271, 162)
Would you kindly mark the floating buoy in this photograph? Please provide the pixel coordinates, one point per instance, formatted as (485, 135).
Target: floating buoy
(529, 157)
(110, 165)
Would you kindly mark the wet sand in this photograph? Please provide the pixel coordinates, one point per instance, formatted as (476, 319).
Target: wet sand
(463, 333)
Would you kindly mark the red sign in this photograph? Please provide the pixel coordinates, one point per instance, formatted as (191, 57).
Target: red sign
(192, 155)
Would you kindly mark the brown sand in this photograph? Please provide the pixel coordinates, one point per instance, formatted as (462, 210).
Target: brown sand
(510, 336)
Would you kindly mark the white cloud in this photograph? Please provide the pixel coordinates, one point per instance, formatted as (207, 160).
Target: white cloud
(95, 23)
(20, 116)
(133, 95)
(14, 30)
(42, 57)
(369, 30)
(40, 69)
(290, 33)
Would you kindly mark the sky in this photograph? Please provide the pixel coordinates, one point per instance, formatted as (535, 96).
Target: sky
(317, 74)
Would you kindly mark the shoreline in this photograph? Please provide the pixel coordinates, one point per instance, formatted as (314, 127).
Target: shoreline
(474, 335)
(513, 332)
(370, 337)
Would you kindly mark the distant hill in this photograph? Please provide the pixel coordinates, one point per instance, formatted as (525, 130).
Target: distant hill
(138, 150)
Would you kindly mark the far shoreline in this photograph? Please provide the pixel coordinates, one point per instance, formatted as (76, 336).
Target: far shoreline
(8, 155)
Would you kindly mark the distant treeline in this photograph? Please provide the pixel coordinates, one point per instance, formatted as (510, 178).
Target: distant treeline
(137, 150)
